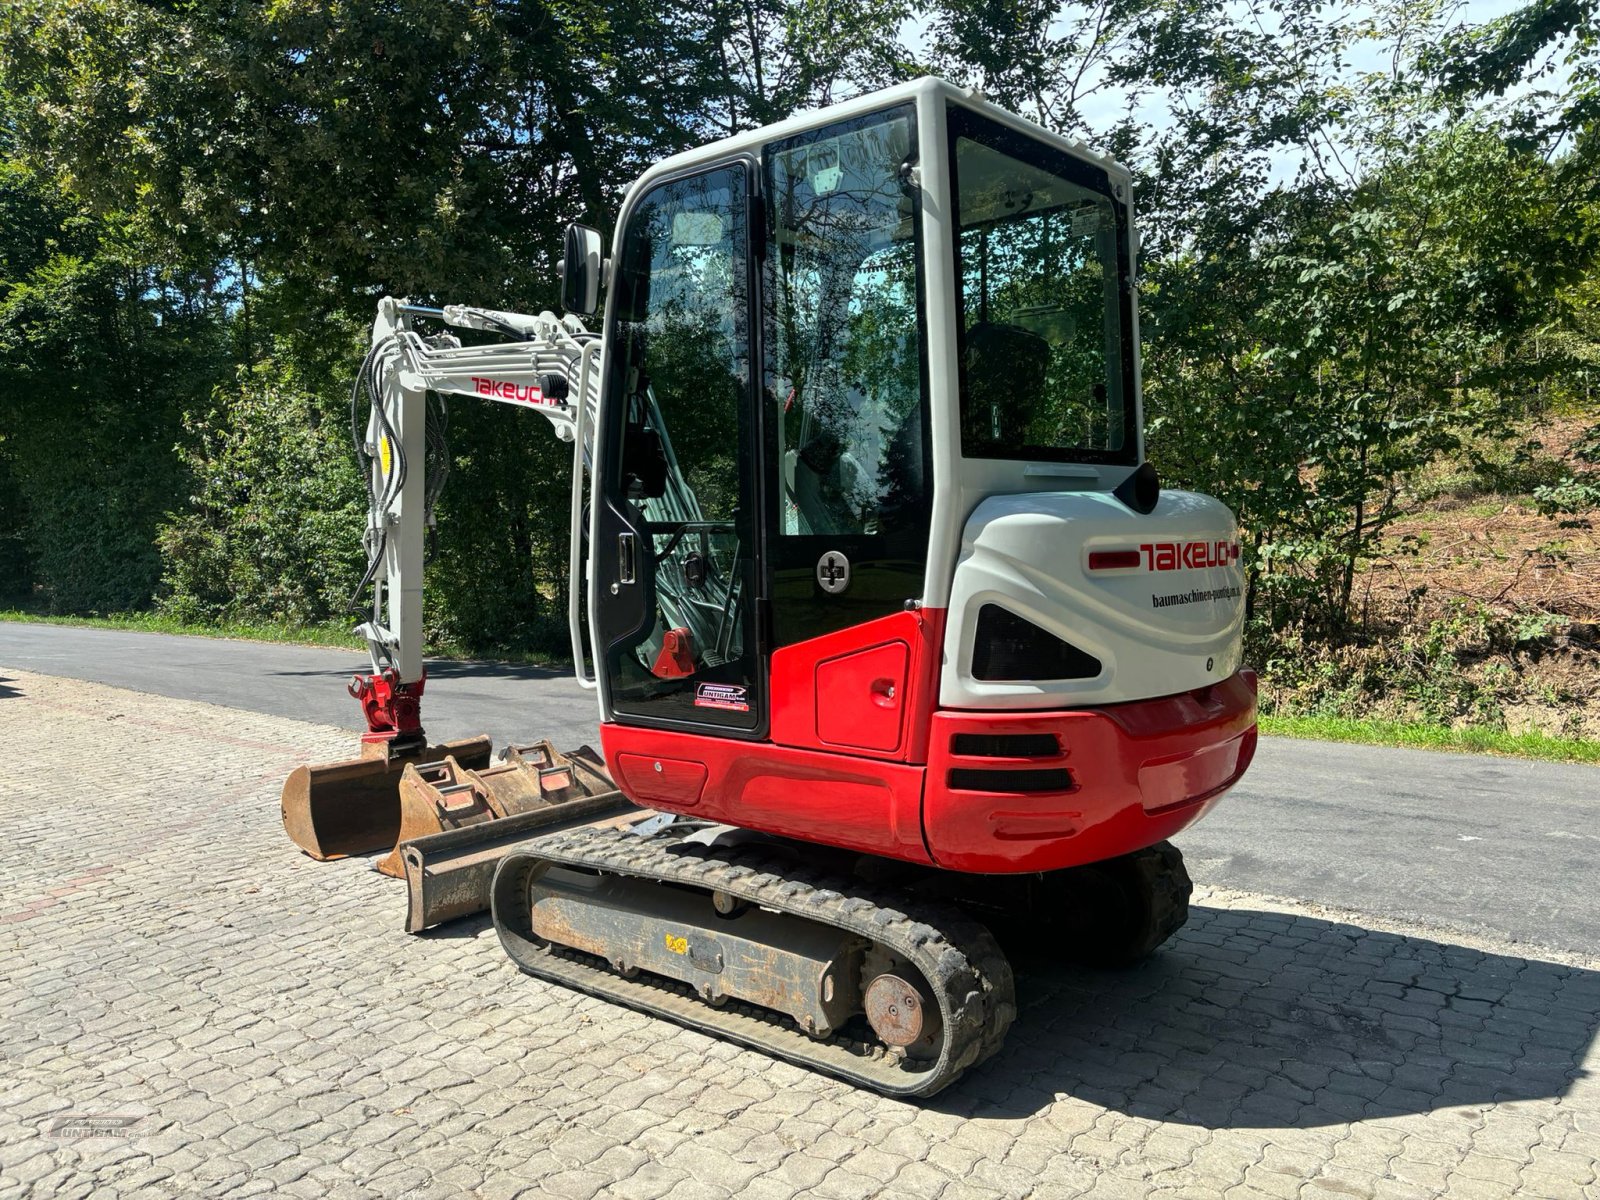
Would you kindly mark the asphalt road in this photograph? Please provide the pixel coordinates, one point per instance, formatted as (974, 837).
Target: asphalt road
(1492, 846)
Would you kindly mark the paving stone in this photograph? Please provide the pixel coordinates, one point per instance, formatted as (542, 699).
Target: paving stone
(279, 1034)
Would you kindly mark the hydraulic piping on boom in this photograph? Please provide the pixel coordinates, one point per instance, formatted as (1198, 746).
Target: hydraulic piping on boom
(354, 807)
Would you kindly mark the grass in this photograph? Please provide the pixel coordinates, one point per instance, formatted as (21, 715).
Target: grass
(1472, 740)
(329, 634)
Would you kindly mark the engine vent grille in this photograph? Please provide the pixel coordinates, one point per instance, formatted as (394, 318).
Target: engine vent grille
(1008, 648)
(1005, 745)
(1043, 779)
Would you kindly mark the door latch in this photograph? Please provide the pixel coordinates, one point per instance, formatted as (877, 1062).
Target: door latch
(627, 557)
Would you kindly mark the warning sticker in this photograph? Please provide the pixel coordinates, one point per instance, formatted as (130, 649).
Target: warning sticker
(731, 696)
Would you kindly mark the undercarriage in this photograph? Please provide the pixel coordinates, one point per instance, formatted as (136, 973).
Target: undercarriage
(754, 940)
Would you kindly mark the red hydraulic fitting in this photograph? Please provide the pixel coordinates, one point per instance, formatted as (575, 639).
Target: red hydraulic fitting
(393, 709)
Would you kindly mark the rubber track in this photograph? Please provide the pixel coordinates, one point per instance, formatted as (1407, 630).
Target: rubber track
(1160, 872)
(969, 976)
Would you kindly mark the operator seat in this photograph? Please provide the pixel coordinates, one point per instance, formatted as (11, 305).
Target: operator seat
(829, 487)
(1006, 368)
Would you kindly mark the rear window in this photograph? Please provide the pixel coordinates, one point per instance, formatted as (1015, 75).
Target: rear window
(1041, 265)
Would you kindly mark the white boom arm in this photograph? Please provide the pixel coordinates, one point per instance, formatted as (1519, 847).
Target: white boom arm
(553, 368)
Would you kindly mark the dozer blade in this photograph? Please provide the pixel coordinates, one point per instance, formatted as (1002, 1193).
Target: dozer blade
(449, 874)
(451, 795)
(333, 810)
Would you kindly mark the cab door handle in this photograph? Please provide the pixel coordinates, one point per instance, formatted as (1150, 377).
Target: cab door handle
(627, 557)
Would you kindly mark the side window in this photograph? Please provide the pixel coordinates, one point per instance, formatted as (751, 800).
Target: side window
(1040, 270)
(680, 430)
(683, 331)
(844, 361)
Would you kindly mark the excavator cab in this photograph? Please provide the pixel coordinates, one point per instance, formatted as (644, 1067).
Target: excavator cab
(856, 336)
(872, 573)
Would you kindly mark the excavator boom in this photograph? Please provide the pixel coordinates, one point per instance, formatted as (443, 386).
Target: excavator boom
(370, 803)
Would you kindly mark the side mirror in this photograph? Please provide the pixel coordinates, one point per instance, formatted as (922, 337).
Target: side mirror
(580, 270)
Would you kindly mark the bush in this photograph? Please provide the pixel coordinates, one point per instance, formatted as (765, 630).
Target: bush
(273, 529)
(1467, 667)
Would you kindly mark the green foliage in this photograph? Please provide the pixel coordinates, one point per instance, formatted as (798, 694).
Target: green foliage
(314, 156)
(1314, 345)
(497, 576)
(272, 531)
(1571, 495)
(1354, 285)
(1587, 447)
(100, 347)
(332, 634)
(16, 558)
(1423, 736)
(1469, 667)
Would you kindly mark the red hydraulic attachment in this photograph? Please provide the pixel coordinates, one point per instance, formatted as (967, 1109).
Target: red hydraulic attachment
(676, 659)
(393, 709)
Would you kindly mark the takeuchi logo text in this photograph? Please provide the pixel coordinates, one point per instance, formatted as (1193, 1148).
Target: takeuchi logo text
(525, 393)
(1183, 556)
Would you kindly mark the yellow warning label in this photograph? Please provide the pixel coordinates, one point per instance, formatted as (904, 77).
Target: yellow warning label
(383, 453)
(678, 945)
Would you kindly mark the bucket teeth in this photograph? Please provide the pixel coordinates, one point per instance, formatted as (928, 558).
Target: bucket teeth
(445, 814)
(446, 795)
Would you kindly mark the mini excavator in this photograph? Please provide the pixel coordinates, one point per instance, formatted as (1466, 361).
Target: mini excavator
(897, 640)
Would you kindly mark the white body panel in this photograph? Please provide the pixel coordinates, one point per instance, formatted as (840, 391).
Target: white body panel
(1155, 631)
(963, 483)
(407, 527)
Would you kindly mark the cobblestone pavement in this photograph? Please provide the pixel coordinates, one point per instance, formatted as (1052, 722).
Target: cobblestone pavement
(233, 1018)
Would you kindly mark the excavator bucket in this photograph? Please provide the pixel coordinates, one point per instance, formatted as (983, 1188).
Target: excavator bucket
(457, 823)
(451, 794)
(333, 810)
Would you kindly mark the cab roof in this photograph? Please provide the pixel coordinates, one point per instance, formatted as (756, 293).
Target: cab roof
(928, 87)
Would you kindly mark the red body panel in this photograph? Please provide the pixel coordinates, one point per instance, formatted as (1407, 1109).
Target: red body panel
(860, 698)
(833, 692)
(1139, 772)
(813, 795)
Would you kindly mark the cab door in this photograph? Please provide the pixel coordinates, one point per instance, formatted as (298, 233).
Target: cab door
(846, 404)
(677, 561)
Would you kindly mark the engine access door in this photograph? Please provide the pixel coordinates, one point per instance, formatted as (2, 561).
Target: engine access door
(676, 554)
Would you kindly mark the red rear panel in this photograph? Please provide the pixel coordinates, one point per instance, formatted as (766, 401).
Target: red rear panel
(813, 795)
(865, 690)
(1001, 793)
(1122, 777)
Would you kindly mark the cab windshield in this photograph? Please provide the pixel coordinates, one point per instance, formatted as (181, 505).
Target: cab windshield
(1041, 254)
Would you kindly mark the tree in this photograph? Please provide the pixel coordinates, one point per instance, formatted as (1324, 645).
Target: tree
(100, 348)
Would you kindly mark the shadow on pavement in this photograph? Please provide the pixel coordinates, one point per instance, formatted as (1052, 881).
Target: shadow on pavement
(453, 669)
(1269, 1020)
(462, 929)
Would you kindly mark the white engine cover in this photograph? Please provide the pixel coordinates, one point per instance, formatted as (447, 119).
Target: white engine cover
(1171, 624)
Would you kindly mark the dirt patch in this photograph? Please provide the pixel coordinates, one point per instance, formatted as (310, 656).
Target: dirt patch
(1481, 610)
(1510, 557)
